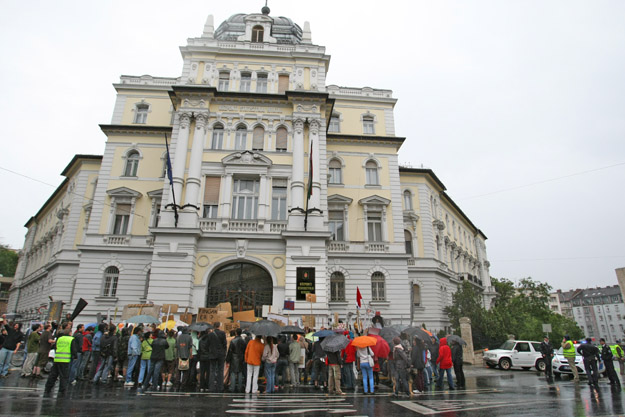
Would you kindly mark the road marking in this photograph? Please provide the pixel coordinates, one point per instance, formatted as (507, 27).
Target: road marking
(290, 404)
(452, 405)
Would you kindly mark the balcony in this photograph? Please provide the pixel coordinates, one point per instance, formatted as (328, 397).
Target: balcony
(248, 226)
(357, 247)
(117, 240)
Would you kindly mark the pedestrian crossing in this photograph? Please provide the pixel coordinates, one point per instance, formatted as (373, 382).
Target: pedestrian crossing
(286, 404)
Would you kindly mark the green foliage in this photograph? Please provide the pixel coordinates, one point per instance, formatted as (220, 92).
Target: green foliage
(8, 261)
(519, 310)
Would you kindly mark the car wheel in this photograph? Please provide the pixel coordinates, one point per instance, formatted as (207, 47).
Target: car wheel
(557, 375)
(505, 364)
(540, 365)
(491, 366)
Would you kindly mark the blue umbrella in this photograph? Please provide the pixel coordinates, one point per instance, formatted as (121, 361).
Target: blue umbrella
(323, 333)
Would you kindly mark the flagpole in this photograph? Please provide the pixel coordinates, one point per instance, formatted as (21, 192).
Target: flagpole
(171, 183)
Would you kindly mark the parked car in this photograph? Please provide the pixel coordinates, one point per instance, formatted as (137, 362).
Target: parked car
(560, 365)
(523, 353)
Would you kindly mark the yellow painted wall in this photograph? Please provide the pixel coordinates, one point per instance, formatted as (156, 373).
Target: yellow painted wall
(160, 107)
(217, 257)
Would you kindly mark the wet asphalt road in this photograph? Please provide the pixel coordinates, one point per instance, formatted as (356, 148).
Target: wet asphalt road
(489, 392)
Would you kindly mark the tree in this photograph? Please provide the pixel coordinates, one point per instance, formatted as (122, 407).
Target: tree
(8, 261)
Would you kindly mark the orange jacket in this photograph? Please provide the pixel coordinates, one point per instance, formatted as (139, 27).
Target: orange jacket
(254, 352)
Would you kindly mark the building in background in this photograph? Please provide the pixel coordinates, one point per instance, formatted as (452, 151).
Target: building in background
(561, 302)
(5, 285)
(282, 185)
(600, 312)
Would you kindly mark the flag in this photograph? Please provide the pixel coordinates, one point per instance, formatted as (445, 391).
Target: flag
(169, 175)
(80, 306)
(358, 297)
(310, 181)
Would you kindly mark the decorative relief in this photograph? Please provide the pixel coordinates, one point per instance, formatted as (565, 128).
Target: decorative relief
(193, 103)
(200, 120)
(299, 126)
(203, 261)
(185, 119)
(277, 262)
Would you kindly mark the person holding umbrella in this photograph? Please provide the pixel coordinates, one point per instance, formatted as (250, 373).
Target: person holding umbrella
(270, 358)
(332, 346)
(457, 358)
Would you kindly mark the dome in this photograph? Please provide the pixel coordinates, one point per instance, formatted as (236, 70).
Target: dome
(282, 28)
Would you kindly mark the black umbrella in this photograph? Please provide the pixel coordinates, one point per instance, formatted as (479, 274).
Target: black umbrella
(388, 334)
(292, 330)
(324, 333)
(265, 328)
(419, 333)
(453, 338)
(334, 343)
(200, 327)
(400, 327)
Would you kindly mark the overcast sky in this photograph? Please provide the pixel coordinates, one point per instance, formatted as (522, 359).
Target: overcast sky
(518, 106)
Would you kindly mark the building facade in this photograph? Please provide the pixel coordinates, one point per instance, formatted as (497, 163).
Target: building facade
(281, 185)
(600, 312)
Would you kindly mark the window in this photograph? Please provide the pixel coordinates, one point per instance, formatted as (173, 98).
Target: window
(408, 240)
(371, 171)
(245, 199)
(522, 347)
(132, 164)
(141, 113)
(283, 83)
(335, 172)
(246, 82)
(224, 81)
(336, 220)
(407, 200)
(111, 275)
(261, 83)
(281, 139)
(211, 197)
(257, 33)
(374, 226)
(218, 137)
(416, 295)
(122, 218)
(377, 287)
(367, 125)
(258, 141)
(337, 287)
(335, 124)
(278, 200)
(240, 139)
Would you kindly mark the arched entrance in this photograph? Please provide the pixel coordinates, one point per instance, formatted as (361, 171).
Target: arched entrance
(245, 285)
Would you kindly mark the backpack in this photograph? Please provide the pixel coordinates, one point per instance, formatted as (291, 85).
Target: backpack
(107, 347)
(122, 347)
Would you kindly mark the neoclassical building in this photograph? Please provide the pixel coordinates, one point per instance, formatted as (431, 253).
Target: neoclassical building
(281, 185)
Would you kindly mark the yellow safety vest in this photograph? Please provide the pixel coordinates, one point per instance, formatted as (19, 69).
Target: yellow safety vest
(64, 349)
(615, 349)
(569, 352)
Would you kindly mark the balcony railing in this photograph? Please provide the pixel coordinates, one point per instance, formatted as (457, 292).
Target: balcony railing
(358, 247)
(250, 226)
(117, 240)
(335, 246)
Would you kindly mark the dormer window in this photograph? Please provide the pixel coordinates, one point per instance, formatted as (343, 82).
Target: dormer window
(257, 33)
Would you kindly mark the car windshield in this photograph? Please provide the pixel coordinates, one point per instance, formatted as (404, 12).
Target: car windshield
(508, 345)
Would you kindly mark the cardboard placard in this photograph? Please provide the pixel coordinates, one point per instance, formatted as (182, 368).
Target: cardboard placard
(206, 315)
(226, 308)
(228, 327)
(55, 310)
(132, 310)
(248, 315)
(280, 319)
(164, 318)
(289, 305)
(170, 308)
(311, 298)
(309, 321)
(186, 317)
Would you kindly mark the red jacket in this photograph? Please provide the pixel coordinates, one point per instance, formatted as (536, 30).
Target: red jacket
(444, 355)
(86, 341)
(349, 353)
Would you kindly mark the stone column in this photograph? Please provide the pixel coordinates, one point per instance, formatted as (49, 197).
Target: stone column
(297, 182)
(195, 164)
(180, 157)
(466, 334)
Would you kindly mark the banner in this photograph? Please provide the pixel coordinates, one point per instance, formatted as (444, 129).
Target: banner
(132, 310)
(55, 310)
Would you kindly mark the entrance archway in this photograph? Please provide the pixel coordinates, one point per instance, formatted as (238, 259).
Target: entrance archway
(245, 285)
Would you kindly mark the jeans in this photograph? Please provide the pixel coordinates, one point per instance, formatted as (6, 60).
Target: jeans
(236, 381)
(428, 374)
(95, 361)
(367, 377)
(294, 372)
(252, 378)
(154, 373)
(73, 369)
(282, 368)
(5, 360)
(146, 365)
(347, 375)
(270, 376)
(132, 361)
(216, 375)
(84, 360)
(450, 379)
(107, 363)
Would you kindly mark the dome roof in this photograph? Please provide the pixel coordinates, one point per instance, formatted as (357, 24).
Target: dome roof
(283, 29)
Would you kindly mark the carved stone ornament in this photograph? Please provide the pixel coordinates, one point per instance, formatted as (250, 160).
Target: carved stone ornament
(193, 103)
(200, 120)
(185, 119)
(299, 126)
(314, 126)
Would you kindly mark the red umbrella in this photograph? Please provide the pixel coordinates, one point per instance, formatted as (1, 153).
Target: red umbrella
(381, 348)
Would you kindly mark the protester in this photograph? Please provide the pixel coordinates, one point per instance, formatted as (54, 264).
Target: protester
(87, 339)
(401, 364)
(75, 365)
(108, 351)
(546, 350)
(282, 366)
(11, 345)
(347, 371)
(236, 361)
(295, 356)
(157, 359)
(334, 364)
(184, 350)
(122, 354)
(146, 354)
(318, 372)
(95, 349)
(217, 357)
(608, 360)
(445, 363)
(253, 358)
(457, 358)
(32, 348)
(568, 350)
(434, 358)
(364, 362)
(66, 351)
(270, 358)
(418, 356)
(170, 359)
(590, 353)
(133, 353)
(203, 354)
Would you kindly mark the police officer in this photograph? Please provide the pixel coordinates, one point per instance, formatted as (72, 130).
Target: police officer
(608, 360)
(568, 349)
(547, 351)
(590, 353)
(617, 351)
(66, 350)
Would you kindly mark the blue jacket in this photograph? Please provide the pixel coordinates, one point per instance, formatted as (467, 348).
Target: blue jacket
(134, 345)
(96, 341)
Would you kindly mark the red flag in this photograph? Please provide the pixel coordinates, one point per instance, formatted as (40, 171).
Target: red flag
(358, 297)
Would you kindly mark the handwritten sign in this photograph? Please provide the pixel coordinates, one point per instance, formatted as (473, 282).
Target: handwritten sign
(206, 315)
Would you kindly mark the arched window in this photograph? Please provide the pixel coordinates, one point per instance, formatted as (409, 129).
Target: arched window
(240, 138)
(337, 287)
(408, 239)
(259, 139)
(111, 275)
(335, 168)
(407, 200)
(281, 139)
(218, 137)
(368, 125)
(141, 113)
(257, 33)
(371, 171)
(378, 291)
(132, 164)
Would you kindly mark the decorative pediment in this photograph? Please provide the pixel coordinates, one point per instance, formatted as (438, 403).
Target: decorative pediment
(156, 194)
(247, 158)
(374, 200)
(339, 199)
(122, 192)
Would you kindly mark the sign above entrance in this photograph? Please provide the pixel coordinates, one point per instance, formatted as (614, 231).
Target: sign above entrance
(305, 283)
(250, 109)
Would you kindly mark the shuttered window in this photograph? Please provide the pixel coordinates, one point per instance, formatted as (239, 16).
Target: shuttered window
(259, 139)
(211, 197)
(283, 83)
(281, 139)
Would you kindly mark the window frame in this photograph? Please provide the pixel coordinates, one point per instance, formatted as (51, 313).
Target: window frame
(337, 287)
(217, 138)
(378, 286)
(372, 176)
(223, 82)
(132, 163)
(111, 281)
(245, 85)
(279, 202)
(258, 34)
(368, 125)
(248, 199)
(141, 113)
(335, 173)
(261, 87)
(240, 138)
